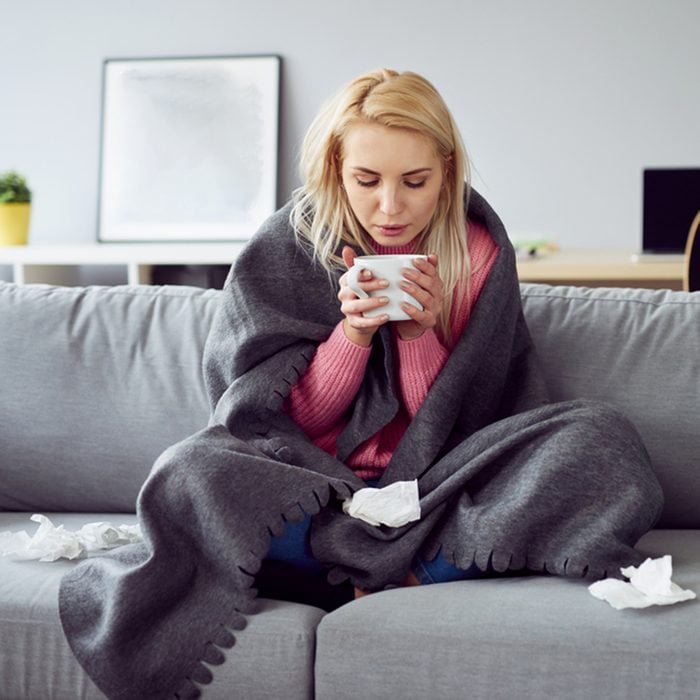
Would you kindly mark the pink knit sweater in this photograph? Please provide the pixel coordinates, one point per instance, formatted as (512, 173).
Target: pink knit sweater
(319, 401)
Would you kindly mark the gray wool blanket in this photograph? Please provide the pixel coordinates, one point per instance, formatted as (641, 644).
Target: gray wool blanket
(506, 480)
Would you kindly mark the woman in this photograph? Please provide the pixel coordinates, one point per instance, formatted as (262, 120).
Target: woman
(312, 400)
(384, 169)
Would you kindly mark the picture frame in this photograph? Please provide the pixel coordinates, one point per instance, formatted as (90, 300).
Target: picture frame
(189, 148)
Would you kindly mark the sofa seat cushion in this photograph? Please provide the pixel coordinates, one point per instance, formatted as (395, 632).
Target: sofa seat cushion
(273, 656)
(526, 637)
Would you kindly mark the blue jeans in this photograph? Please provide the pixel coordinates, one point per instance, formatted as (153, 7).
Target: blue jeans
(293, 547)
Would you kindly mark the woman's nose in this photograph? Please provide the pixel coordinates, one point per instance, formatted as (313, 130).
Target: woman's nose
(390, 201)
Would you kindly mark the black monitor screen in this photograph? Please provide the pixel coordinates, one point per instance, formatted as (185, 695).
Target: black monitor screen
(671, 201)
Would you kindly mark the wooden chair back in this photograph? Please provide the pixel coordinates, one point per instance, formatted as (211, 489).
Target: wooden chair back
(691, 264)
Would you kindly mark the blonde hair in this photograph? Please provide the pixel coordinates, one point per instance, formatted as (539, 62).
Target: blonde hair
(321, 214)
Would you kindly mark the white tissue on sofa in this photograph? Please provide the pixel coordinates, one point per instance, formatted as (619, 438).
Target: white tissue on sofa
(649, 584)
(51, 542)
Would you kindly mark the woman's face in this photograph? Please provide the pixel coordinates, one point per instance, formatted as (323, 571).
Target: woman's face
(392, 178)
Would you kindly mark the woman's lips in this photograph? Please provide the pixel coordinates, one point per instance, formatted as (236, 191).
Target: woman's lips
(392, 230)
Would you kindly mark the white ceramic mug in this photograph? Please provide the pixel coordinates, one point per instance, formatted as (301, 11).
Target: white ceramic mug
(386, 267)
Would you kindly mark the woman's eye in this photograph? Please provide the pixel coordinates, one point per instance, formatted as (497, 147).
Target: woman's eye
(412, 184)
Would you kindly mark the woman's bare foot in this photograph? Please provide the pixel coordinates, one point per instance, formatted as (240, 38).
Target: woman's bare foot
(411, 580)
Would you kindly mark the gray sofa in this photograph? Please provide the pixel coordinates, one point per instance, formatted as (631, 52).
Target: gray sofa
(96, 382)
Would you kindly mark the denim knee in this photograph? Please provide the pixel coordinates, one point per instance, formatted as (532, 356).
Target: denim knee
(439, 570)
(293, 546)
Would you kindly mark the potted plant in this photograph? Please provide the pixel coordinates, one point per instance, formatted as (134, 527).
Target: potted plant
(15, 203)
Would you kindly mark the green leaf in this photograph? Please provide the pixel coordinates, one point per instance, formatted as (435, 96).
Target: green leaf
(13, 188)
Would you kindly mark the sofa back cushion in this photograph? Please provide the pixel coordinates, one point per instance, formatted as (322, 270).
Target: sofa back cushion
(94, 383)
(640, 350)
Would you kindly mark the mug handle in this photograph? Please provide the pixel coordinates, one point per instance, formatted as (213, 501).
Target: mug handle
(353, 280)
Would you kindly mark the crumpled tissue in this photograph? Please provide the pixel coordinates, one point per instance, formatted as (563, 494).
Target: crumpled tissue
(51, 542)
(649, 584)
(394, 505)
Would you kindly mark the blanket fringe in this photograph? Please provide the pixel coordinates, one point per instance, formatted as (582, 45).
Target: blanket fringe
(222, 637)
(500, 562)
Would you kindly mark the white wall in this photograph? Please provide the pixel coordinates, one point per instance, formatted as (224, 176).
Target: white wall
(561, 102)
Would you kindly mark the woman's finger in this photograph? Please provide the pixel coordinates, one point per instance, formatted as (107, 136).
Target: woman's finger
(349, 256)
(352, 306)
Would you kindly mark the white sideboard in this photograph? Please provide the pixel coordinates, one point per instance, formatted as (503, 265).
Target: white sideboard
(128, 263)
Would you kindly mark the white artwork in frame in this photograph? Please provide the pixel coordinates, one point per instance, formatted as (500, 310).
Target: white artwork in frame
(189, 148)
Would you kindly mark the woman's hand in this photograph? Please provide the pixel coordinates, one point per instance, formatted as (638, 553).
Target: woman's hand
(357, 328)
(425, 286)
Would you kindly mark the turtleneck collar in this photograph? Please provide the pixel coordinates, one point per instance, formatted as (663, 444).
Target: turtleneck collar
(407, 248)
